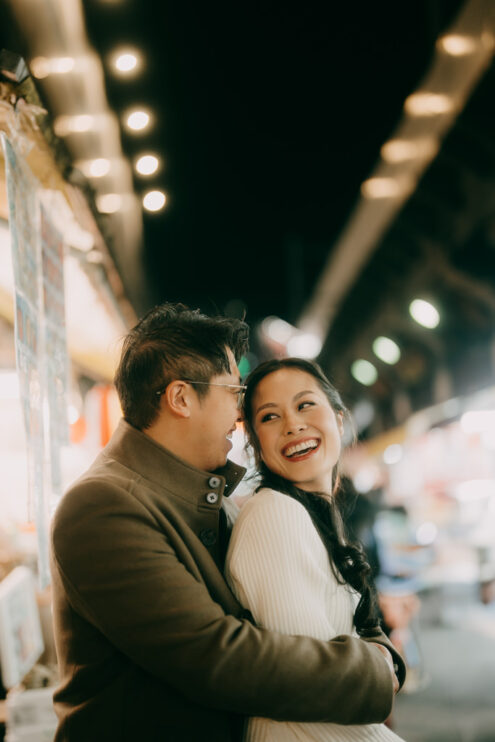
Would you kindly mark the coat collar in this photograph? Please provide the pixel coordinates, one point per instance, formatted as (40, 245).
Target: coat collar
(137, 451)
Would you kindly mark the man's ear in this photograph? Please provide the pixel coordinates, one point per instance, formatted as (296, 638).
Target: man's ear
(177, 397)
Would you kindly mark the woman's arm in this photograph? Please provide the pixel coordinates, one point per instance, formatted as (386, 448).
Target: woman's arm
(278, 568)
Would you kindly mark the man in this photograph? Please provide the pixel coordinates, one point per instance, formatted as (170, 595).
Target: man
(152, 645)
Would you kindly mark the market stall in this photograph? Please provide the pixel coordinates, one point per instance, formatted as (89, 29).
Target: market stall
(62, 314)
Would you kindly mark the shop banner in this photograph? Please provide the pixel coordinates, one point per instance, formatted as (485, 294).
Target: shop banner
(54, 346)
(37, 257)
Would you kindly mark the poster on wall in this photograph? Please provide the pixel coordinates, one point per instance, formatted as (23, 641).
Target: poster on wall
(37, 257)
(54, 346)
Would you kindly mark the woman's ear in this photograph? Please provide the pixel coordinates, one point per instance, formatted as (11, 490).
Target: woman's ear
(340, 422)
(177, 397)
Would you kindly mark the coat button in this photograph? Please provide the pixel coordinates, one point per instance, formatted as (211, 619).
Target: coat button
(212, 498)
(213, 482)
(208, 536)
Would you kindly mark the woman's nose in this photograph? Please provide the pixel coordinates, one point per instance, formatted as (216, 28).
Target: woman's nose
(293, 425)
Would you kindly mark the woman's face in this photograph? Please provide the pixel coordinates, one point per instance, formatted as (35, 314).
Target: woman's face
(297, 429)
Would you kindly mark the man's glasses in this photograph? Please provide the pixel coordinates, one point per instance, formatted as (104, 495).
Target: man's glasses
(239, 389)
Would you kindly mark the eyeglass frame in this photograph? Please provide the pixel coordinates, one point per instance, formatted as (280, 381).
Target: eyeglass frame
(241, 388)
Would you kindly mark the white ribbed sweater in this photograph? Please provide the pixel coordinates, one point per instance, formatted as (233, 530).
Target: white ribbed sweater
(279, 569)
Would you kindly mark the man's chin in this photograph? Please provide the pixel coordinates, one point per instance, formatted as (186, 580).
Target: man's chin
(221, 463)
(216, 463)
(220, 457)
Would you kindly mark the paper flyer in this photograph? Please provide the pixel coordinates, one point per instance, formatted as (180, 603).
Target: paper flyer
(54, 346)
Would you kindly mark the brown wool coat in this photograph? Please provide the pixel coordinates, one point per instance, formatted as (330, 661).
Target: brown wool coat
(152, 645)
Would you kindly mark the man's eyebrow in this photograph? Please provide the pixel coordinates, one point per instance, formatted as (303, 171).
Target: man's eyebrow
(237, 376)
(294, 399)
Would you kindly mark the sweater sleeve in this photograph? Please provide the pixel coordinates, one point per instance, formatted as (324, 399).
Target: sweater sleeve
(278, 567)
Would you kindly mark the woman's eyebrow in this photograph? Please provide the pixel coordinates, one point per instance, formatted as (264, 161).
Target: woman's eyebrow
(267, 404)
(294, 399)
(302, 394)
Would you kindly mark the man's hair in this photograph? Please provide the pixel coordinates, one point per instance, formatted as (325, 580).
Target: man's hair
(173, 342)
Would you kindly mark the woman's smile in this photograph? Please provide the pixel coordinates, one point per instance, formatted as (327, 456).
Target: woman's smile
(301, 450)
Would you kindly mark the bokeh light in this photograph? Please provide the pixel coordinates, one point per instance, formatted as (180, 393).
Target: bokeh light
(424, 313)
(364, 372)
(154, 201)
(386, 350)
(138, 120)
(147, 165)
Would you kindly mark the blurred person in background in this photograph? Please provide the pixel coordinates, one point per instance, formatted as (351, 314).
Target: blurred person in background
(290, 561)
(152, 644)
(360, 515)
(398, 602)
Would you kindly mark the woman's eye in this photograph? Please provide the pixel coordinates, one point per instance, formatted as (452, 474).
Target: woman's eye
(303, 405)
(267, 417)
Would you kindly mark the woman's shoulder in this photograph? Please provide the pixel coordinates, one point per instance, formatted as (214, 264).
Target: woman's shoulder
(273, 523)
(266, 498)
(267, 503)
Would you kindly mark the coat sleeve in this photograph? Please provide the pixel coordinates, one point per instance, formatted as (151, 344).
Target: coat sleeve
(123, 575)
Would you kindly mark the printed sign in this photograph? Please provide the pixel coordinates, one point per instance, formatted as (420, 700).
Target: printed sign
(41, 351)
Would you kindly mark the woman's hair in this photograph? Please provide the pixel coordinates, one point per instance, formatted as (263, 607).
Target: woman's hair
(347, 559)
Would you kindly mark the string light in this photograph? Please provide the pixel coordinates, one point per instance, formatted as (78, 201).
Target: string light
(154, 201)
(138, 120)
(147, 165)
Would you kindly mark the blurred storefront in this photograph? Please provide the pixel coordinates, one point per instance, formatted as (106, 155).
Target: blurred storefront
(62, 314)
(431, 487)
(436, 482)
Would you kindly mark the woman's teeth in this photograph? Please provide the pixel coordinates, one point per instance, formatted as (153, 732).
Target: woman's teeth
(300, 448)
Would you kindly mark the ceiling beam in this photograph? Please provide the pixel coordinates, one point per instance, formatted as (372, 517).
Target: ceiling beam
(453, 76)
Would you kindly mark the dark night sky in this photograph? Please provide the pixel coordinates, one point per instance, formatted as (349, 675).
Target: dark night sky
(268, 119)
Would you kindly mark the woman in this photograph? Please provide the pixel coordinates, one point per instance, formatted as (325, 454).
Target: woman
(289, 562)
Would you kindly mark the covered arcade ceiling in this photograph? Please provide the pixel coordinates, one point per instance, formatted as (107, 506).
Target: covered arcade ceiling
(307, 174)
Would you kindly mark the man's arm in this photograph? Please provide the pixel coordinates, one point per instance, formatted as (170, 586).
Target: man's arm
(122, 575)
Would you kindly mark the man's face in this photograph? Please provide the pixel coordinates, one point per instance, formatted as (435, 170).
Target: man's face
(214, 417)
